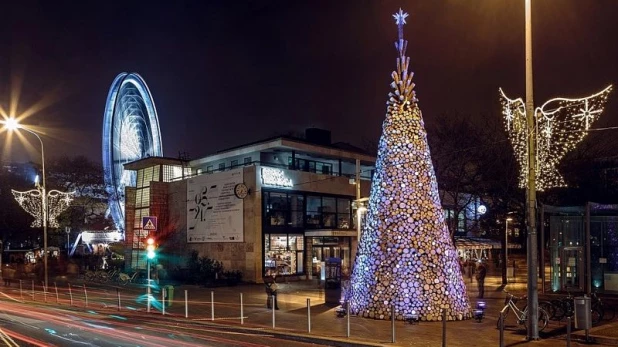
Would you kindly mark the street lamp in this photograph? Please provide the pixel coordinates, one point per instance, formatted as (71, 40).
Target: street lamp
(533, 298)
(12, 124)
(506, 252)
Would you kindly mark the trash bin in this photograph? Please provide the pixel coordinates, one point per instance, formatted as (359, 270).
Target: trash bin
(583, 317)
(169, 294)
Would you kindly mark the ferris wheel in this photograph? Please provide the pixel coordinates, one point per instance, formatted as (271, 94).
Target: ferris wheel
(130, 132)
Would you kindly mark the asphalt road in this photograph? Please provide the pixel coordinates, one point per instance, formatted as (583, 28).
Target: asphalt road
(25, 324)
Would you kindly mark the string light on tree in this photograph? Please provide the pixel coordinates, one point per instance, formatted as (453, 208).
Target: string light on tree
(560, 124)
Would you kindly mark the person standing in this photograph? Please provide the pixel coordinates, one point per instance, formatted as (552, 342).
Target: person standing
(481, 272)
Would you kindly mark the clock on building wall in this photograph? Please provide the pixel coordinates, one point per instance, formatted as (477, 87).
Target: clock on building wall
(241, 191)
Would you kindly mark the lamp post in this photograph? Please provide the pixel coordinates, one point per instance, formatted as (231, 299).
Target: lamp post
(12, 124)
(68, 231)
(533, 299)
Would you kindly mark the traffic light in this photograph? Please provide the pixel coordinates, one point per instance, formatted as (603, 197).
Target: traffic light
(150, 248)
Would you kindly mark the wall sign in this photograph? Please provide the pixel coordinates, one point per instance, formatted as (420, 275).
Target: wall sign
(214, 213)
(276, 178)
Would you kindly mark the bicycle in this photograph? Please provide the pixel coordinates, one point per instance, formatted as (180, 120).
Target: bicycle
(124, 279)
(608, 312)
(510, 304)
(565, 307)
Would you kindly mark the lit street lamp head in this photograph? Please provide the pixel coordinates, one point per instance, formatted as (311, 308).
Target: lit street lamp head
(11, 124)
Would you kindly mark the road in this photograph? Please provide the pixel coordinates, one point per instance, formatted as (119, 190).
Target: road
(27, 324)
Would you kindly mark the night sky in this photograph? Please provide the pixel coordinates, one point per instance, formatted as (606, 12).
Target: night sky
(225, 73)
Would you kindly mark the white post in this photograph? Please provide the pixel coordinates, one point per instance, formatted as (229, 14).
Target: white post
(118, 294)
(212, 305)
(70, 294)
(242, 316)
(57, 298)
(308, 315)
(85, 296)
(163, 301)
(32, 290)
(186, 304)
(392, 322)
(148, 285)
(347, 317)
(272, 297)
(44, 292)
(21, 293)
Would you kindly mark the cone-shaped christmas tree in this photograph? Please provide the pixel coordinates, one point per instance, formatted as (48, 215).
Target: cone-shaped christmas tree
(405, 254)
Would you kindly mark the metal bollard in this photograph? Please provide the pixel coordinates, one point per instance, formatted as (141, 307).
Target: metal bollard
(32, 290)
(186, 304)
(308, 315)
(85, 296)
(242, 316)
(347, 315)
(57, 298)
(443, 327)
(21, 293)
(44, 291)
(501, 318)
(568, 335)
(273, 308)
(118, 295)
(392, 323)
(70, 294)
(163, 301)
(212, 305)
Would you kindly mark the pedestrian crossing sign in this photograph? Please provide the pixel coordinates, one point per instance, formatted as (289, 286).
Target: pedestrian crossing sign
(149, 223)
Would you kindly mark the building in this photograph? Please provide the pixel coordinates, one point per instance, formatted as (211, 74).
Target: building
(279, 205)
(282, 205)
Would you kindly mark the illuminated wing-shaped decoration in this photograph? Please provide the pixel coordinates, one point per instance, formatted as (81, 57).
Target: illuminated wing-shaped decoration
(31, 202)
(515, 121)
(57, 203)
(560, 124)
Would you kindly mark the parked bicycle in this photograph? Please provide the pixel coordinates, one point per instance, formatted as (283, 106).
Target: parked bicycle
(521, 315)
(125, 279)
(565, 307)
(607, 312)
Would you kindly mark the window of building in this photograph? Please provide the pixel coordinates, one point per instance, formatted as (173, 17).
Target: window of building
(283, 254)
(314, 211)
(343, 214)
(222, 166)
(209, 169)
(311, 166)
(247, 160)
(234, 163)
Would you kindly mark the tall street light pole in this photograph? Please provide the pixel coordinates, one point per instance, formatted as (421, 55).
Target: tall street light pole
(12, 124)
(532, 258)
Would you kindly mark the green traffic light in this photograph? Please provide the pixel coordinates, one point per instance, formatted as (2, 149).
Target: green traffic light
(151, 254)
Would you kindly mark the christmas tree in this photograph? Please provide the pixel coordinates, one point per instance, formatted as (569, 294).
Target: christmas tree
(406, 257)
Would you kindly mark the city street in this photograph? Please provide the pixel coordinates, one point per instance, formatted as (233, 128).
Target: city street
(99, 322)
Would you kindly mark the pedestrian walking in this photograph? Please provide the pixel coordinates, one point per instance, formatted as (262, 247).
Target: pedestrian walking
(481, 272)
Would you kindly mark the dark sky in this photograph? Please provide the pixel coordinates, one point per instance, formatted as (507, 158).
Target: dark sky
(224, 73)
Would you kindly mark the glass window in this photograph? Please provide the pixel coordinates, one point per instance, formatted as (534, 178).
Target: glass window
(281, 254)
(329, 209)
(277, 209)
(314, 211)
(209, 169)
(222, 166)
(343, 213)
(297, 210)
(234, 163)
(247, 160)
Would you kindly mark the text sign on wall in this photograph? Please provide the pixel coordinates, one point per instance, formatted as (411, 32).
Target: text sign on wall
(275, 177)
(214, 213)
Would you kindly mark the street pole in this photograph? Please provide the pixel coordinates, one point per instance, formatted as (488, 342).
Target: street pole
(148, 283)
(505, 266)
(68, 231)
(533, 330)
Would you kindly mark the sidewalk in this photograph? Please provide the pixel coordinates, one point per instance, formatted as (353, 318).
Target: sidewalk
(326, 327)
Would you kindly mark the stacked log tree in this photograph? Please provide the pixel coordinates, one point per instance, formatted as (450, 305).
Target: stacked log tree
(406, 256)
